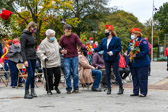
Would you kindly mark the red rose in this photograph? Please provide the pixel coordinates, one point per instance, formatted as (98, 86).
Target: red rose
(131, 41)
(137, 44)
(84, 39)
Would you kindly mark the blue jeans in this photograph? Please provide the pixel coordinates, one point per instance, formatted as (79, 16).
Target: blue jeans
(140, 80)
(30, 70)
(115, 65)
(97, 74)
(71, 64)
(6, 67)
(14, 73)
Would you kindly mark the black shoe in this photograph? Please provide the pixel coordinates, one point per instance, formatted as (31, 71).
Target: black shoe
(96, 89)
(121, 91)
(68, 91)
(13, 86)
(49, 92)
(58, 91)
(20, 85)
(142, 95)
(108, 91)
(75, 91)
(33, 93)
(134, 95)
(27, 95)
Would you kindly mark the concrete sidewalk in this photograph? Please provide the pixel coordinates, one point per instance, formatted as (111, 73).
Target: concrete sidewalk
(11, 100)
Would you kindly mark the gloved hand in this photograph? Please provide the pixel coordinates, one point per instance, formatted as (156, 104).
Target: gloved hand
(45, 59)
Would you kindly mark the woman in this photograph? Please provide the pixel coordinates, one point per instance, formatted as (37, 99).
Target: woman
(86, 71)
(111, 46)
(49, 54)
(140, 66)
(14, 57)
(29, 57)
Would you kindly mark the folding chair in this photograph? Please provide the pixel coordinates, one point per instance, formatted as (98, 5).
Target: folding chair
(2, 72)
(21, 66)
(37, 75)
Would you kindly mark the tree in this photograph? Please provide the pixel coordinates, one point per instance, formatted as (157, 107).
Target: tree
(86, 10)
(122, 22)
(40, 11)
(162, 20)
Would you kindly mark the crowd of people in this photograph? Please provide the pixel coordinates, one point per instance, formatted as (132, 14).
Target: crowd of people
(89, 63)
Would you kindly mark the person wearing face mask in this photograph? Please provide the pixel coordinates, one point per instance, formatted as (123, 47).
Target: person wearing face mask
(69, 42)
(29, 57)
(111, 45)
(86, 71)
(96, 43)
(49, 53)
(140, 66)
(14, 57)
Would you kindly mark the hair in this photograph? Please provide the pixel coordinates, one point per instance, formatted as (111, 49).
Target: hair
(31, 24)
(49, 32)
(67, 26)
(139, 34)
(113, 33)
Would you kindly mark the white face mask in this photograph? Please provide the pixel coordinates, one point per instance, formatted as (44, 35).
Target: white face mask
(133, 37)
(91, 41)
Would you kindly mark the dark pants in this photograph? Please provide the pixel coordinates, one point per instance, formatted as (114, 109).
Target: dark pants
(124, 72)
(115, 65)
(14, 73)
(97, 74)
(30, 70)
(6, 67)
(140, 80)
(57, 76)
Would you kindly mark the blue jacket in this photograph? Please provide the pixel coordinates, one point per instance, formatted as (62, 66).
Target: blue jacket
(114, 46)
(142, 58)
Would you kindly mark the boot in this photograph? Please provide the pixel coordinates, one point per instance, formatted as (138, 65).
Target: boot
(33, 94)
(108, 91)
(121, 91)
(27, 96)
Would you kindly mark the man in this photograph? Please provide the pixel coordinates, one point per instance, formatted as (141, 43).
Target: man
(166, 54)
(150, 47)
(69, 42)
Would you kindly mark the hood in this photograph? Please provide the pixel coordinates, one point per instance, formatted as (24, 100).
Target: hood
(26, 32)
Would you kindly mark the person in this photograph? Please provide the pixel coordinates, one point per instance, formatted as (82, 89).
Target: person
(98, 63)
(49, 53)
(140, 66)
(14, 57)
(166, 54)
(96, 43)
(29, 57)
(86, 71)
(111, 45)
(150, 48)
(123, 69)
(69, 42)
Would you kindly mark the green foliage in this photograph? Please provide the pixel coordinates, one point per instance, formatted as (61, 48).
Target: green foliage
(162, 59)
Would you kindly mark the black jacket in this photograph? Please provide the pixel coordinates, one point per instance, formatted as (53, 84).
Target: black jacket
(27, 46)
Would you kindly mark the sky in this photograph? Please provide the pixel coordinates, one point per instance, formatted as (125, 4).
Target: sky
(142, 9)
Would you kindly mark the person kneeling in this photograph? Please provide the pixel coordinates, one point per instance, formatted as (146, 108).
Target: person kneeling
(86, 71)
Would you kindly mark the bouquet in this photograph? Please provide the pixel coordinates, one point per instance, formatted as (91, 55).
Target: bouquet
(134, 49)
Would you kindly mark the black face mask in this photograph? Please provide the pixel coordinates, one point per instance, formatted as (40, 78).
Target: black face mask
(85, 53)
(107, 34)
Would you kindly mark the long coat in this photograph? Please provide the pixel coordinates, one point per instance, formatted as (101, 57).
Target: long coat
(84, 68)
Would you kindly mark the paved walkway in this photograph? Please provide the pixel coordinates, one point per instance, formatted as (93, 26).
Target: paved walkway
(11, 100)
